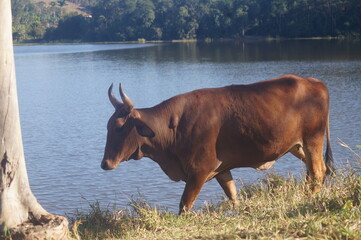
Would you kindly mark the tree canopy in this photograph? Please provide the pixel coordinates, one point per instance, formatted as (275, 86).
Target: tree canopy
(125, 20)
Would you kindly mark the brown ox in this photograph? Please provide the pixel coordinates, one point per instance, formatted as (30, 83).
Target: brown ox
(203, 134)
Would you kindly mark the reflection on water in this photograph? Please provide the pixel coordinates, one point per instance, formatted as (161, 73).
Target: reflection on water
(64, 108)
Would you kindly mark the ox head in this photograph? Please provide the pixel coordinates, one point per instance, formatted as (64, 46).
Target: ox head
(126, 132)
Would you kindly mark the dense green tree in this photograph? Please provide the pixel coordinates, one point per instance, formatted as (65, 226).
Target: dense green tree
(164, 18)
(62, 3)
(185, 19)
(123, 20)
(119, 20)
(30, 19)
(138, 20)
(71, 27)
(245, 16)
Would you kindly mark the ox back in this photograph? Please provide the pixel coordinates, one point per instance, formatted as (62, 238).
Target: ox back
(204, 134)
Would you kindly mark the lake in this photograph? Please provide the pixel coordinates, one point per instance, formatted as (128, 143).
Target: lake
(64, 109)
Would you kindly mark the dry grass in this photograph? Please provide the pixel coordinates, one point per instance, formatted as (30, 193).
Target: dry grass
(69, 6)
(274, 208)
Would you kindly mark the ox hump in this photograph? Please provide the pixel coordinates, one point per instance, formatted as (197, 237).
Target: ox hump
(173, 122)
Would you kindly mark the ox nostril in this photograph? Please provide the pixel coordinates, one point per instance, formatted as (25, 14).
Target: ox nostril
(104, 165)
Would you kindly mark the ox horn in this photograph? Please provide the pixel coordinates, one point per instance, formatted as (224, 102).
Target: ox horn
(128, 104)
(116, 104)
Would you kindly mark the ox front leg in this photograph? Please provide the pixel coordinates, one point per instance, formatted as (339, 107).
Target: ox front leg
(226, 181)
(193, 186)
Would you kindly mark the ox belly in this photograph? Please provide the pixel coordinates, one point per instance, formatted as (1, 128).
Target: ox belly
(249, 154)
(265, 166)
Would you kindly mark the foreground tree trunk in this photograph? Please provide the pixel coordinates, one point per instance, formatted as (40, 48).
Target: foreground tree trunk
(20, 212)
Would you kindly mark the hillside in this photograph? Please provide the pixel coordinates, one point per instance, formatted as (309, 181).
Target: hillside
(119, 20)
(69, 7)
(34, 19)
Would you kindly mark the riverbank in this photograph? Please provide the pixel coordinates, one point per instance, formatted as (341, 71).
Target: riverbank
(274, 208)
(207, 40)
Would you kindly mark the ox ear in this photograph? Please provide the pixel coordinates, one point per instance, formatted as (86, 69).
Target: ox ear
(142, 128)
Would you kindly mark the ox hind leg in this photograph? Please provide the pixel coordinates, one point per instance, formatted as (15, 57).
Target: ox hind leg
(298, 152)
(316, 168)
(311, 155)
(226, 181)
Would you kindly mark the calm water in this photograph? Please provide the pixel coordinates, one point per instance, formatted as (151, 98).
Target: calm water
(64, 109)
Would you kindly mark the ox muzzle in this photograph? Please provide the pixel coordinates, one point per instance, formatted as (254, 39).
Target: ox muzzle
(108, 164)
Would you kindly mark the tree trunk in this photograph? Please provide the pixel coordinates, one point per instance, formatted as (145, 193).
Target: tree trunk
(20, 212)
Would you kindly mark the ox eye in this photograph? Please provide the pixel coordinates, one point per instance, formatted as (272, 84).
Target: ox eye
(118, 129)
(119, 125)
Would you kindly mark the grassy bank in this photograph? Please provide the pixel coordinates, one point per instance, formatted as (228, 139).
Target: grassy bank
(276, 208)
(207, 40)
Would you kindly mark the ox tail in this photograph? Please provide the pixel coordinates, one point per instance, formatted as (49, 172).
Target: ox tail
(330, 168)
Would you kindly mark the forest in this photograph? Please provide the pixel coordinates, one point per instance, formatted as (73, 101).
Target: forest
(131, 20)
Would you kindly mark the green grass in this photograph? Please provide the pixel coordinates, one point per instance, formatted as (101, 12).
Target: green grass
(274, 208)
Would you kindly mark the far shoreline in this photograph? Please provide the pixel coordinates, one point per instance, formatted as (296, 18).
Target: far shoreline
(206, 40)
